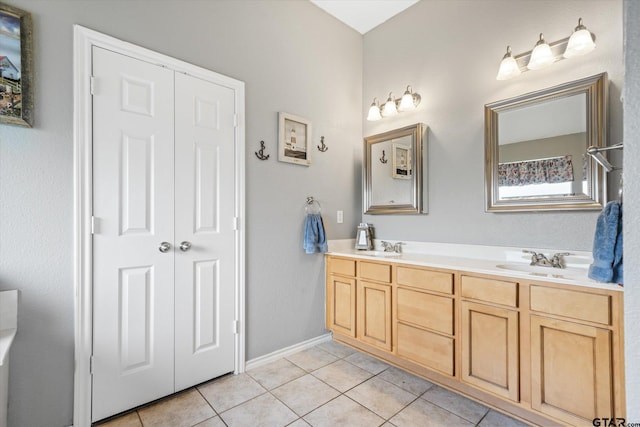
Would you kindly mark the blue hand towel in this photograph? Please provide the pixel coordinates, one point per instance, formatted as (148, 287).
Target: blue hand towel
(607, 245)
(314, 238)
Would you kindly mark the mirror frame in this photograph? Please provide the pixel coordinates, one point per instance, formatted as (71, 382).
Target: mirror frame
(595, 88)
(415, 207)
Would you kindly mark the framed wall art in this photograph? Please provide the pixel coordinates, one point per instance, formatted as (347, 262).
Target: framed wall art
(401, 161)
(16, 66)
(294, 139)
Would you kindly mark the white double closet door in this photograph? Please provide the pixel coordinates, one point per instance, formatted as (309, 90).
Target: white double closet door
(164, 237)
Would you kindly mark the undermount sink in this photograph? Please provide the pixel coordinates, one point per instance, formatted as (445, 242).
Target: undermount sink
(380, 254)
(540, 271)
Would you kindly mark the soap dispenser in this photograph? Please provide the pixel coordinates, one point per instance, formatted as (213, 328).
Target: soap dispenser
(364, 236)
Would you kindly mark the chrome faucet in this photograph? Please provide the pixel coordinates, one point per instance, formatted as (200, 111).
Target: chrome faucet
(557, 260)
(392, 247)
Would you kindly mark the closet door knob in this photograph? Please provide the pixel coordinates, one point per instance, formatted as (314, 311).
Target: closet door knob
(164, 247)
(185, 246)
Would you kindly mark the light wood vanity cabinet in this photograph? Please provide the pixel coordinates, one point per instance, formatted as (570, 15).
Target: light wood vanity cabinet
(573, 363)
(545, 352)
(490, 334)
(374, 304)
(424, 320)
(341, 295)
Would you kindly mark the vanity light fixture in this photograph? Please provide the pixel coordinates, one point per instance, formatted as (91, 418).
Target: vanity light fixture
(581, 42)
(409, 101)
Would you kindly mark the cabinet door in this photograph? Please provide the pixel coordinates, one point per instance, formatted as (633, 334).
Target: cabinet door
(490, 349)
(341, 305)
(570, 370)
(374, 314)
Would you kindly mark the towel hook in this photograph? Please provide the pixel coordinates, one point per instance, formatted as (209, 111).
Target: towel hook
(312, 206)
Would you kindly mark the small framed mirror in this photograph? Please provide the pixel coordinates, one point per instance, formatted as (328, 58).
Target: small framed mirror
(536, 148)
(393, 171)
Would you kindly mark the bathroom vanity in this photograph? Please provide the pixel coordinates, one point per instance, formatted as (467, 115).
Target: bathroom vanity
(542, 345)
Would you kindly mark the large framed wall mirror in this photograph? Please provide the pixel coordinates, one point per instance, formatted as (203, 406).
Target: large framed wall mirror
(393, 171)
(535, 148)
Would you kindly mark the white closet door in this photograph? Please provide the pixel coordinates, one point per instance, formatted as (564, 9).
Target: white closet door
(205, 195)
(133, 206)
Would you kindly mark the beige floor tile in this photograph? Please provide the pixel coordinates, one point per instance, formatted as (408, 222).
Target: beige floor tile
(263, 411)
(425, 414)
(381, 397)
(231, 390)
(405, 380)
(343, 412)
(211, 422)
(342, 375)
(128, 420)
(463, 407)
(337, 349)
(367, 362)
(276, 373)
(312, 358)
(305, 394)
(185, 409)
(496, 419)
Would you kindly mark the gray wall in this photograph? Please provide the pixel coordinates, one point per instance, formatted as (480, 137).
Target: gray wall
(449, 51)
(293, 57)
(632, 206)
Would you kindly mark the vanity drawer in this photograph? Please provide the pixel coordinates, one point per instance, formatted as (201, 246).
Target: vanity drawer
(425, 279)
(490, 290)
(426, 348)
(426, 310)
(572, 304)
(345, 267)
(374, 271)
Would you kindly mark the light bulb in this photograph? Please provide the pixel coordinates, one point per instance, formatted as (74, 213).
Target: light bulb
(580, 42)
(406, 103)
(374, 111)
(541, 55)
(389, 108)
(508, 67)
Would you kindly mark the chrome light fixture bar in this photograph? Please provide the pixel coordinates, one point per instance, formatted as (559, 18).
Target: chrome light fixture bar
(409, 101)
(544, 54)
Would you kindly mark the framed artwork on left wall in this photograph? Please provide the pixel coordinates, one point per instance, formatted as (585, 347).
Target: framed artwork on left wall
(294, 139)
(16, 66)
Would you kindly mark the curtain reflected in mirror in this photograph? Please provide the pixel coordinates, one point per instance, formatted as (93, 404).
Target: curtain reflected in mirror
(535, 147)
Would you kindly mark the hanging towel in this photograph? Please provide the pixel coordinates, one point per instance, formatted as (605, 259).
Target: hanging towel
(607, 245)
(314, 238)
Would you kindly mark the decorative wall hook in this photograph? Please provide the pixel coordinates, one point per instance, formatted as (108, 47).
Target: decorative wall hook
(383, 159)
(323, 147)
(260, 153)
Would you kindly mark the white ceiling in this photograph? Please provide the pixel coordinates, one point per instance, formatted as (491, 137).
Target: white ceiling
(363, 15)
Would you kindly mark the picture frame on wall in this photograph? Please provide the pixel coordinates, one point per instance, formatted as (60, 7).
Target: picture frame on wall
(294, 139)
(401, 161)
(16, 66)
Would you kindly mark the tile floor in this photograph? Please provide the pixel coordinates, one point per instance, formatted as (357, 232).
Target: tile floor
(327, 385)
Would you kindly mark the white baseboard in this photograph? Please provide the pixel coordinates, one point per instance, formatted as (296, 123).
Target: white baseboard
(279, 354)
